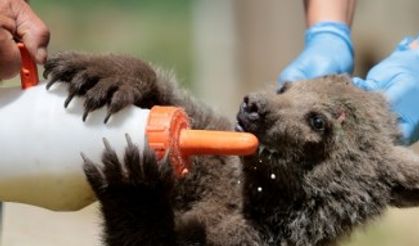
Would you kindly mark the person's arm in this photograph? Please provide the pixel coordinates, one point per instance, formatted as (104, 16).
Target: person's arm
(18, 21)
(327, 45)
(329, 10)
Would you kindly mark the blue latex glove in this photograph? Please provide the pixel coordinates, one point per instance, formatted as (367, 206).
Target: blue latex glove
(397, 77)
(328, 50)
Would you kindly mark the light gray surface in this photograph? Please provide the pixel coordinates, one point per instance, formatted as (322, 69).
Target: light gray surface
(25, 225)
(1, 220)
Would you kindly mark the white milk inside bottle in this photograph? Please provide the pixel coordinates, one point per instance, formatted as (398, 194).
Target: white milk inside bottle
(41, 141)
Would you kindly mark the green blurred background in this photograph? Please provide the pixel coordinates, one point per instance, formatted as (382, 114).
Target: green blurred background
(158, 31)
(219, 49)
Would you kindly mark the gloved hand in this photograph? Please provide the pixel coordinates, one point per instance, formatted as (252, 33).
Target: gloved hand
(328, 50)
(397, 77)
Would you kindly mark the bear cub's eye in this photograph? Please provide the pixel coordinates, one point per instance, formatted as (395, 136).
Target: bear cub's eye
(317, 122)
(283, 88)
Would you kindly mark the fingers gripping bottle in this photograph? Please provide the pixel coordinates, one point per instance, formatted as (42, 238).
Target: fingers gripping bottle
(41, 142)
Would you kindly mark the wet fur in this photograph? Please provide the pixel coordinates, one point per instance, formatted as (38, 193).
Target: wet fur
(305, 186)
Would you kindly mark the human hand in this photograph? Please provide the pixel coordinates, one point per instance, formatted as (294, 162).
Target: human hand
(397, 77)
(328, 50)
(18, 21)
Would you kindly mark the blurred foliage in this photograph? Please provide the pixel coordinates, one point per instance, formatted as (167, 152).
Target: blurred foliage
(158, 31)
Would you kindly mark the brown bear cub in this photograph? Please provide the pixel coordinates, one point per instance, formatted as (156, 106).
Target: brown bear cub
(328, 161)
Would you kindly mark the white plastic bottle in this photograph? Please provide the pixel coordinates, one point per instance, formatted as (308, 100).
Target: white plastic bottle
(41, 141)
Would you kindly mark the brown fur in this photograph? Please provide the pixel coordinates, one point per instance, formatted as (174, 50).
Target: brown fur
(328, 162)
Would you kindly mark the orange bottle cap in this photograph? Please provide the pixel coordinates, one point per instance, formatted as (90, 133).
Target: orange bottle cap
(28, 71)
(167, 130)
(163, 130)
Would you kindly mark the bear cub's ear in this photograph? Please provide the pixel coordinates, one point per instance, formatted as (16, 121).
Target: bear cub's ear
(402, 174)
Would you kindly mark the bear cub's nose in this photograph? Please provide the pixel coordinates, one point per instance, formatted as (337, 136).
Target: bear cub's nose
(249, 115)
(250, 108)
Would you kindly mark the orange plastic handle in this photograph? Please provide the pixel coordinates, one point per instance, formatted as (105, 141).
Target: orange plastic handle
(28, 71)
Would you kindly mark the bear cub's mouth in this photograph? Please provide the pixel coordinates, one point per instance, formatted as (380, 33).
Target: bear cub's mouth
(246, 123)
